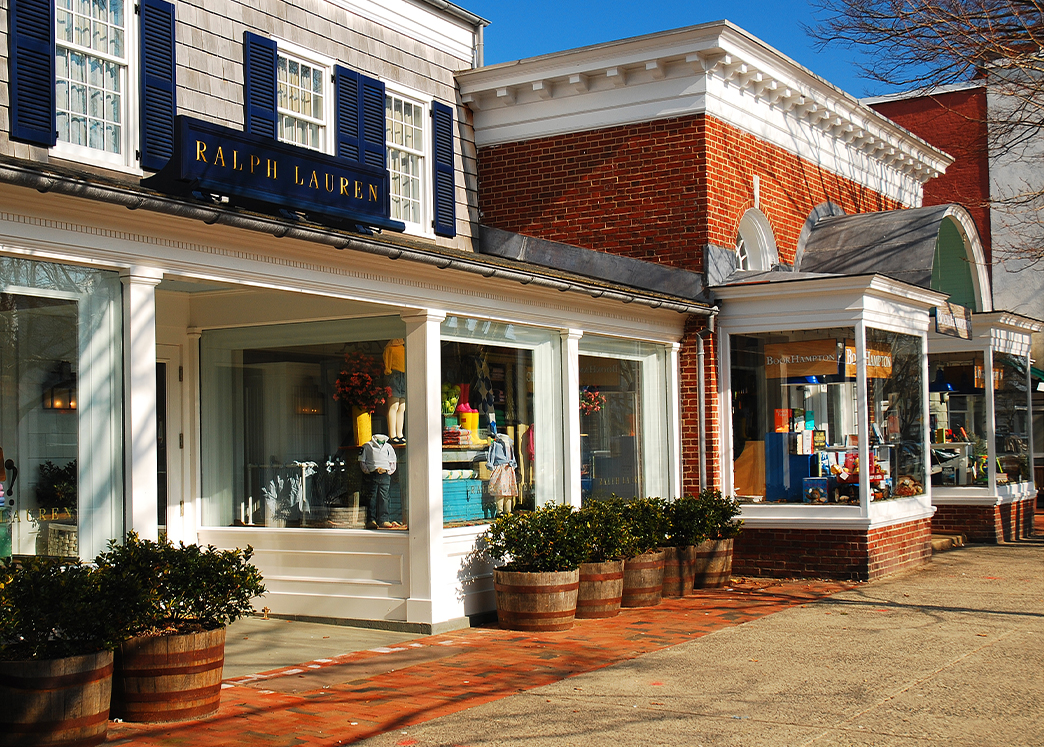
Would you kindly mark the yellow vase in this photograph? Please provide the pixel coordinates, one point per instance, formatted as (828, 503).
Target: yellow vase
(363, 426)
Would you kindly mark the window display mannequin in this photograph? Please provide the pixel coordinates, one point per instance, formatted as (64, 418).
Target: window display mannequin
(377, 461)
(395, 370)
(500, 457)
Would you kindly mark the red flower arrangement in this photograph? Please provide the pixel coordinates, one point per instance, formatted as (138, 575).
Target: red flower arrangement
(591, 400)
(360, 383)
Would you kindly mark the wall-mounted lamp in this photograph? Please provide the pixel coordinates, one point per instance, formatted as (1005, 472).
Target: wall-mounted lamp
(59, 389)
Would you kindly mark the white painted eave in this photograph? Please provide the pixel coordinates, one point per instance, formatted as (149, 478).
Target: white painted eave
(843, 286)
(697, 59)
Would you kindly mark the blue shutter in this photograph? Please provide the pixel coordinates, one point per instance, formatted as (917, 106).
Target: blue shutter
(259, 84)
(348, 122)
(445, 198)
(31, 65)
(374, 143)
(158, 88)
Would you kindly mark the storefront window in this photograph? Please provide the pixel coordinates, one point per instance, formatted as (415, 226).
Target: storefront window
(60, 409)
(302, 425)
(1011, 415)
(623, 419)
(795, 423)
(957, 419)
(500, 449)
(894, 379)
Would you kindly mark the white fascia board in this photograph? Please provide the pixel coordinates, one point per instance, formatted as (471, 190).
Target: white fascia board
(418, 21)
(922, 93)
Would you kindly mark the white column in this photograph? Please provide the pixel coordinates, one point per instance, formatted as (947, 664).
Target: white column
(571, 403)
(193, 480)
(139, 398)
(991, 415)
(424, 450)
(674, 419)
(862, 419)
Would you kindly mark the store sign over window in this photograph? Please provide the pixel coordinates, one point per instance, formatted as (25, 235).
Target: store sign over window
(260, 172)
(953, 320)
(805, 358)
(878, 361)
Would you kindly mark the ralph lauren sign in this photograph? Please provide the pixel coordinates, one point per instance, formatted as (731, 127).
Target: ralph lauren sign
(261, 172)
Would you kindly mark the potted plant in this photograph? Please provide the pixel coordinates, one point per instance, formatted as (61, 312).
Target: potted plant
(713, 563)
(57, 633)
(539, 553)
(686, 529)
(606, 541)
(360, 385)
(646, 522)
(169, 669)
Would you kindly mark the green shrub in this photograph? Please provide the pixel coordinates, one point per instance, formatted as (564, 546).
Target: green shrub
(686, 522)
(181, 588)
(51, 608)
(719, 514)
(646, 520)
(603, 531)
(547, 539)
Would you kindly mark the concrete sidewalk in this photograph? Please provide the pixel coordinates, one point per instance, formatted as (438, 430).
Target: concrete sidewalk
(950, 652)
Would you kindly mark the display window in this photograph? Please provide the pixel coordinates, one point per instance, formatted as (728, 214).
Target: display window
(957, 419)
(795, 417)
(302, 425)
(1012, 418)
(623, 419)
(500, 447)
(60, 409)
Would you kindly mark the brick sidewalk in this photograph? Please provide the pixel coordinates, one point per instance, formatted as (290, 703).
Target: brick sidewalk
(344, 699)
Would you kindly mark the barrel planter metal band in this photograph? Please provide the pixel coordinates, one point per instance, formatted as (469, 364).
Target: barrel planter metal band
(643, 580)
(713, 564)
(536, 601)
(601, 589)
(169, 678)
(55, 702)
(678, 571)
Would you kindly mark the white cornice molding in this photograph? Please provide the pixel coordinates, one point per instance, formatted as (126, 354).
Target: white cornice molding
(713, 68)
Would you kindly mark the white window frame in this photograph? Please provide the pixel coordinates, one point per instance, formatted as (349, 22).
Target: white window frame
(755, 242)
(328, 131)
(128, 160)
(423, 227)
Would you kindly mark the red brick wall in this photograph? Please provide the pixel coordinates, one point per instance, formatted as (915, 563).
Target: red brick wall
(955, 123)
(988, 524)
(846, 554)
(657, 190)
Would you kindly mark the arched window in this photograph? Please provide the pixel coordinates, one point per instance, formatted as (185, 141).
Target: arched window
(755, 244)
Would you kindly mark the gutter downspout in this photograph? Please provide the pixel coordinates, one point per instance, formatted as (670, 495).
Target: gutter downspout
(702, 398)
(480, 45)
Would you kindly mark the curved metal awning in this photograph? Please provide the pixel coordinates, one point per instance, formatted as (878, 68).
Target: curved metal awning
(934, 247)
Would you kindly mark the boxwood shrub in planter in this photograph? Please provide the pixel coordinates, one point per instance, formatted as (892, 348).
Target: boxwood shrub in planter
(646, 521)
(539, 553)
(169, 669)
(713, 562)
(607, 541)
(58, 626)
(686, 528)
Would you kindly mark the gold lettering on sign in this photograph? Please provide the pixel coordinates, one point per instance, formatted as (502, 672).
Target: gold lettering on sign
(314, 182)
(358, 190)
(236, 165)
(373, 193)
(219, 156)
(272, 169)
(297, 176)
(330, 182)
(344, 187)
(201, 151)
(254, 162)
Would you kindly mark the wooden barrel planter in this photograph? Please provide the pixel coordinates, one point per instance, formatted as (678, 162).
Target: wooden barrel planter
(643, 580)
(713, 564)
(678, 571)
(55, 702)
(169, 678)
(601, 589)
(536, 601)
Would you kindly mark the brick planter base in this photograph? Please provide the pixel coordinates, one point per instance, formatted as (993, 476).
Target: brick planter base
(989, 524)
(848, 554)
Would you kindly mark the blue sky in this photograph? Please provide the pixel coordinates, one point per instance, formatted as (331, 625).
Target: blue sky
(527, 28)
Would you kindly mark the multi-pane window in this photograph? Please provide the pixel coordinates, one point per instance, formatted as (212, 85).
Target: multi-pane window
(91, 73)
(405, 133)
(302, 104)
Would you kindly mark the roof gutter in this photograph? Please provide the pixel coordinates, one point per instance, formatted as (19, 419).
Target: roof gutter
(133, 200)
(477, 22)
